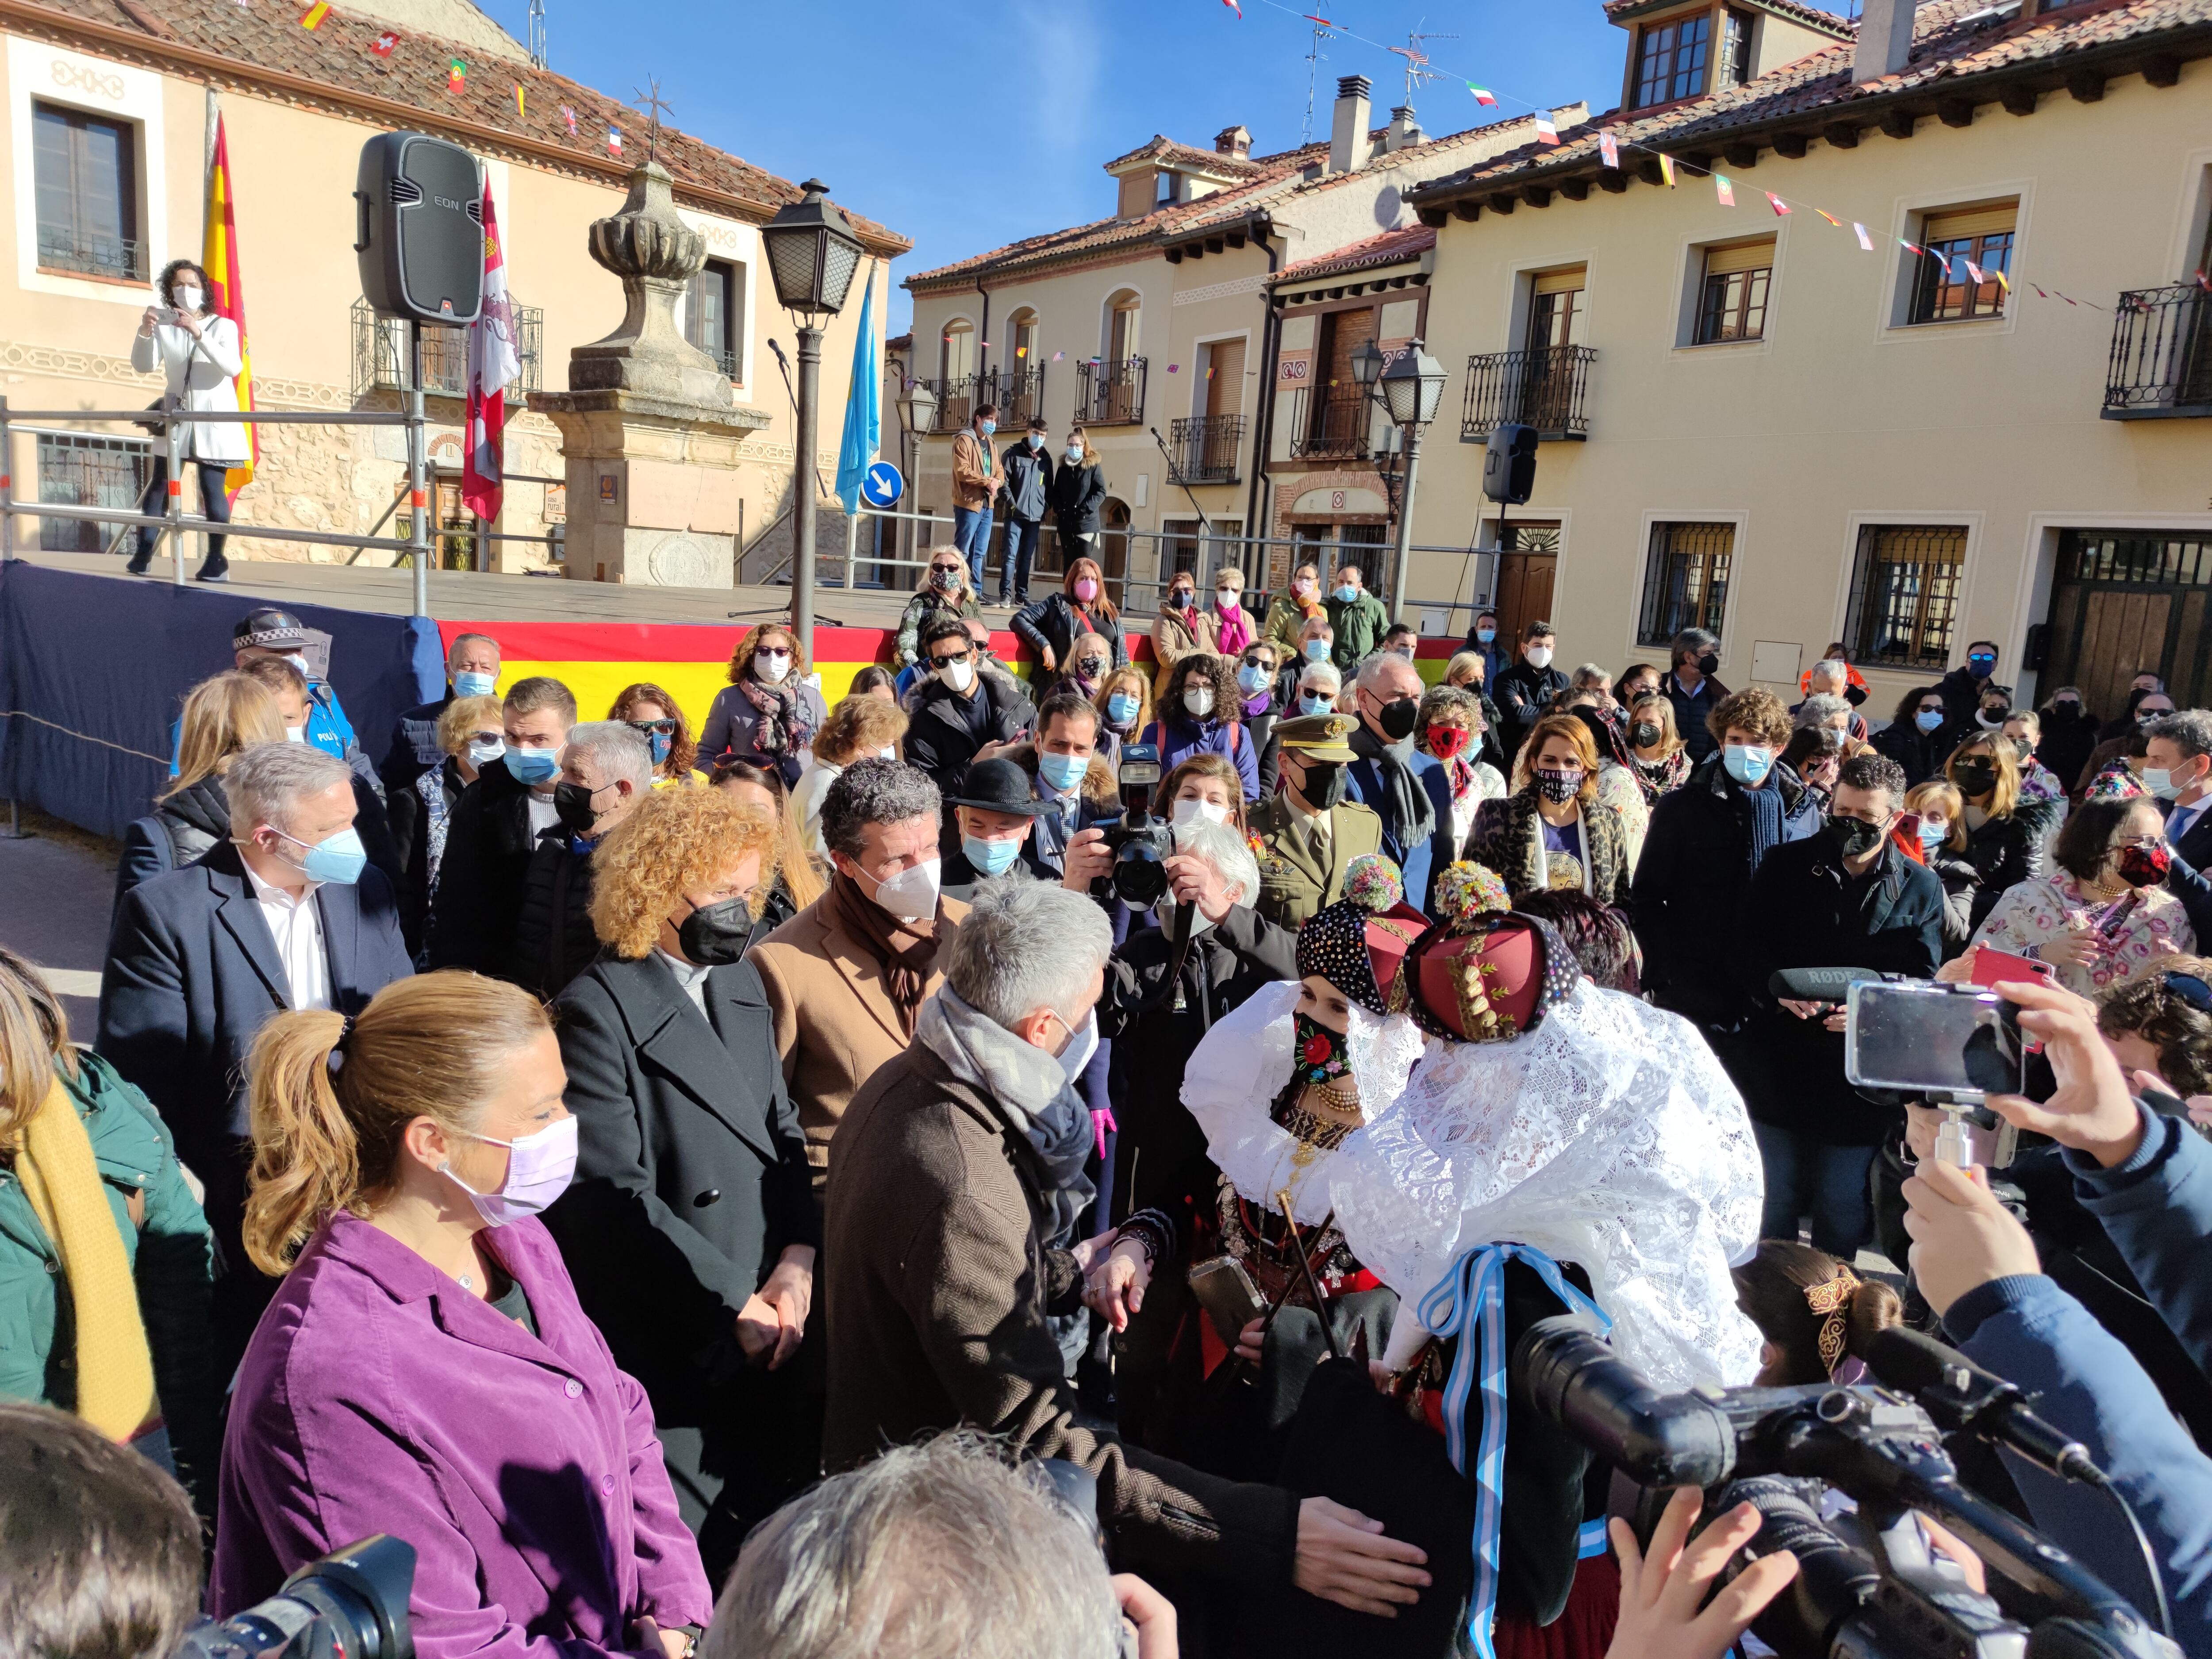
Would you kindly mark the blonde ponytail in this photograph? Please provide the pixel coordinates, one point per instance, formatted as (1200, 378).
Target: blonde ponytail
(331, 1102)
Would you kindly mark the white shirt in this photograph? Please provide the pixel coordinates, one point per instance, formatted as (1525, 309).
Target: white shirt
(297, 927)
(543, 814)
(691, 976)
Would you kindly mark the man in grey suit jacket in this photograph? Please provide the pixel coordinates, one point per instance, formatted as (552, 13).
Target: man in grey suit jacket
(285, 914)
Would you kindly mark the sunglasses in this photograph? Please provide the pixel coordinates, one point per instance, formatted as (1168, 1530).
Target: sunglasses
(2190, 989)
(655, 728)
(952, 656)
(944, 567)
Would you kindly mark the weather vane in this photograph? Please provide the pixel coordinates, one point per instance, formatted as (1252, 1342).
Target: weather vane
(655, 107)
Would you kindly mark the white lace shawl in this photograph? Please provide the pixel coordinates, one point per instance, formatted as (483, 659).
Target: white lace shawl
(1609, 1136)
(1241, 1065)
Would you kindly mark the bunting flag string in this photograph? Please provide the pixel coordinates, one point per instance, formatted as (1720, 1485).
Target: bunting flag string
(1721, 187)
(1666, 170)
(312, 17)
(1609, 150)
(1545, 132)
(457, 76)
(1782, 207)
(1483, 95)
(614, 140)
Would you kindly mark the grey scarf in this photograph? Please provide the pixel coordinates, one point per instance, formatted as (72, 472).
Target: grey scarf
(1409, 815)
(1028, 1090)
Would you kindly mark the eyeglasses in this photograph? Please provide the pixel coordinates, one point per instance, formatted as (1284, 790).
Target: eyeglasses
(653, 728)
(2190, 989)
(951, 567)
(487, 737)
(950, 656)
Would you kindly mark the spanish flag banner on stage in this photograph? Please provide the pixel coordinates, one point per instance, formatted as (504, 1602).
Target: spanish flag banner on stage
(226, 288)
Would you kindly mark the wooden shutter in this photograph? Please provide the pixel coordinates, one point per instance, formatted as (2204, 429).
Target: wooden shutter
(1347, 332)
(1975, 222)
(1224, 390)
(1745, 256)
(1570, 281)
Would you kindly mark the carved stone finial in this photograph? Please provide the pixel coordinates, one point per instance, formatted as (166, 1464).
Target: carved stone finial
(655, 254)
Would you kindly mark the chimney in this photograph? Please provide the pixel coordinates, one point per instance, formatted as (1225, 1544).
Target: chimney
(1233, 141)
(1404, 129)
(1885, 44)
(1347, 138)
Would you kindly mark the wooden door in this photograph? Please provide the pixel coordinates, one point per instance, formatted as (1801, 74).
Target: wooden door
(1344, 332)
(456, 551)
(1224, 376)
(2122, 602)
(1527, 572)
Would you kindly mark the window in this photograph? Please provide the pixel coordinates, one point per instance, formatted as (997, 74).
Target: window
(1733, 306)
(1025, 353)
(1121, 329)
(1686, 585)
(1735, 48)
(1956, 278)
(86, 168)
(957, 352)
(79, 469)
(1555, 308)
(713, 312)
(1904, 595)
(1670, 59)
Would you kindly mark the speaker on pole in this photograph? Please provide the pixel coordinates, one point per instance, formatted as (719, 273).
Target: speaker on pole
(419, 230)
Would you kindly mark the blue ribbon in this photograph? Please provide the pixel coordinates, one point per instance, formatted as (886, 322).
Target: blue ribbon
(1470, 1303)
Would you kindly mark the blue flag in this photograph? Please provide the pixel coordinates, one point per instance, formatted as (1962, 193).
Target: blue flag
(863, 408)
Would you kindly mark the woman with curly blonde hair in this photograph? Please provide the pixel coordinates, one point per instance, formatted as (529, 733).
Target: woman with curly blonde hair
(769, 713)
(691, 1159)
(657, 717)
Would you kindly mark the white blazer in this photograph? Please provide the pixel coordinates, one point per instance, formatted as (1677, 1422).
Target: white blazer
(205, 377)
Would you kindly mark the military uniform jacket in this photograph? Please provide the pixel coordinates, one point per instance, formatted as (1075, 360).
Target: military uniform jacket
(1294, 882)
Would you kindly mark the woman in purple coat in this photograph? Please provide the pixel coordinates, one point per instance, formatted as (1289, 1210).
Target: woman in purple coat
(425, 1370)
(1203, 713)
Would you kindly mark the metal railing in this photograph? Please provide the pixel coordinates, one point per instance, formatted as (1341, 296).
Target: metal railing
(381, 353)
(1019, 394)
(121, 258)
(1332, 424)
(2161, 360)
(1111, 393)
(1205, 449)
(1543, 388)
(956, 398)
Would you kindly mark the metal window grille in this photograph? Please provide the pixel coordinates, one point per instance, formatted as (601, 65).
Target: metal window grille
(1205, 448)
(1111, 393)
(1904, 594)
(79, 470)
(1687, 581)
(380, 356)
(1019, 394)
(1543, 388)
(2136, 558)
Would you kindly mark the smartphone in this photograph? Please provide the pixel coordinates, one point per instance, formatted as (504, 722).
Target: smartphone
(1941, 1042)
(1993, 968)
(1227, 1293)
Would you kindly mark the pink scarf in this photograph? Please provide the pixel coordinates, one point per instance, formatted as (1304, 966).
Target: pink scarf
(1233, 629)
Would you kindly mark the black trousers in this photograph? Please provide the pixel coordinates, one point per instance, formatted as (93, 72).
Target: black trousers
(215, 503)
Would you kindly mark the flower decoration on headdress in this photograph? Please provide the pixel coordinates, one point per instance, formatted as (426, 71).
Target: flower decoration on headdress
(1467, 891)
(1372, 882)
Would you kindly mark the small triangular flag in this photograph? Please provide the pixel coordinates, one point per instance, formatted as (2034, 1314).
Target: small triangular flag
(1721, 185)
(1666, 171)
(1609, 150)
(1234, 6)
(312, 17)
(457, 74)
(1866, 242)
(1175, 368)
(1775, 201)
(1974, 272)
(1830, 217)
(1545, 132)
(1058, 356)
(519, 109)
(1483, 95)
(614, 140)
(385, 44)
(2001, 282)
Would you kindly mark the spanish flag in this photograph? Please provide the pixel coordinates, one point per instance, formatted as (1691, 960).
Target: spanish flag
(226, 285)
(312, 17)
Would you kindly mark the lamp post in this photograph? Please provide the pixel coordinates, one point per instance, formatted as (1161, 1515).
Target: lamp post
(1412, 390)
(812, 255)
(917, 409)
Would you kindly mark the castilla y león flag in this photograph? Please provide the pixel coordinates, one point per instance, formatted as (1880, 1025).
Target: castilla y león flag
(227, 290)
(492, 364)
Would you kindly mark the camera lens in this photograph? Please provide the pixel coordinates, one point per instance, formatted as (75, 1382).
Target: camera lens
(1139, 879)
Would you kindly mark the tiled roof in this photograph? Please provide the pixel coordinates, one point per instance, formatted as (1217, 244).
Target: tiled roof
(263, 48)
(1162, 148)
(1814, 17)
(1390, 248)
(1956, 44)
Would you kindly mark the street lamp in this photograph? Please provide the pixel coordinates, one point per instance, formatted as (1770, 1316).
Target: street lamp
(1413, 391)
(917, 409)
(812, 255)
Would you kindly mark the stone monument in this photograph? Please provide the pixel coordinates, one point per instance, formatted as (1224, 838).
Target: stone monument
(649, 437)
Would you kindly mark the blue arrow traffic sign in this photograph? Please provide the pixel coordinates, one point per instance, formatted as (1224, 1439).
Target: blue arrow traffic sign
(883, 486)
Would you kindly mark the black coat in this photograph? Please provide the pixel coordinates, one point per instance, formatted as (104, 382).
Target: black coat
(1922, 754)
(1077, 492)
(1690, 713)
(178, 831)
(2066, 743)
(2007, 851)
(939, 739)
(554, 940)
(1798, 914)
(488, 848)
(1690, 880)
(1056, 622)
(1522, 695)
(410, 835)
(414, 748)
(1962, 696)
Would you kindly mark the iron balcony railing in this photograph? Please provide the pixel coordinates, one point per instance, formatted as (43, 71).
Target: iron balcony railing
(1335, 425)
(1019, 394)
(1110, 393)
(118, 257)
(2161, 363)
(1205, 449)
(380, 356)
(956, 398)
(1543, 388)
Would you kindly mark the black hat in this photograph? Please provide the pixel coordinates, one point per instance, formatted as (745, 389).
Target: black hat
(270, 627)
(999, 786)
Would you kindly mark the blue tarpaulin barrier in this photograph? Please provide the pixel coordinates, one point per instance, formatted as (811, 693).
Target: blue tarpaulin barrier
(94, 670)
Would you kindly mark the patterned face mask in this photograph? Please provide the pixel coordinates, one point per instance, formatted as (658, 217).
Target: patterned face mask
(1321, 1056)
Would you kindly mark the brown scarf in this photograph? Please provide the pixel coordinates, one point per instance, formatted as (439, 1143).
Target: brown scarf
(906, 951)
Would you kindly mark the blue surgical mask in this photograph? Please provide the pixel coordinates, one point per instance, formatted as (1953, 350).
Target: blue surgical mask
(1036, 441)
(2159, 781)
(338, 858)
(1064, 772)
(662, 744)
(1074, 454)
(1484, 636)
(532, 765)
(1121, 708)
(1748, 764)
(469, 683)
(1316, 650)
(1311, 704)
(1250, 677)
(1346, 593)
(990, 857)
(1928, 719)
(1933, 830)
(989, 427)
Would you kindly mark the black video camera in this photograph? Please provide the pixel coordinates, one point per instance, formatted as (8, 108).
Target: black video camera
(352, 1604)
(1775, 1448)
(1140, 843)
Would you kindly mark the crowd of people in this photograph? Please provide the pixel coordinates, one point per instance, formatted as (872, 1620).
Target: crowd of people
(1012, 1161)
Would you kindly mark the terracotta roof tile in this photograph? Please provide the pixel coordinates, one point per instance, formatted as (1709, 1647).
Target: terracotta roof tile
(1161, 147)
(1390, 248)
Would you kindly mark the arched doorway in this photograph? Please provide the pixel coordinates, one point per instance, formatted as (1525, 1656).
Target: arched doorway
(1113, 542)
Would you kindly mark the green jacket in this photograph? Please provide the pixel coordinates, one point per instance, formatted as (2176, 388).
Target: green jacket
(1359, 627)
(170, 1254)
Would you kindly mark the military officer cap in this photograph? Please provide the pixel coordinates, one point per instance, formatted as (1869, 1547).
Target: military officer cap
(1319, 736)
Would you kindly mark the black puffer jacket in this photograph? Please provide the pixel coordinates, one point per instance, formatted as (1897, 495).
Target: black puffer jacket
(553, 938)
(2007, 851)
(1960, 880)
(174, 835)
(1922, 754)
(488, 849)
(2066, 743)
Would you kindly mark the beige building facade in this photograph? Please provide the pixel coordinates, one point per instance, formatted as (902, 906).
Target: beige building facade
(109, 121)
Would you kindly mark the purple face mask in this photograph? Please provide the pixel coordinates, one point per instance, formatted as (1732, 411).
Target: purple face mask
(539, 1167)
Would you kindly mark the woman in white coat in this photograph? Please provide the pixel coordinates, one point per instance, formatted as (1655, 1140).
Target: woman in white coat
(198, 353)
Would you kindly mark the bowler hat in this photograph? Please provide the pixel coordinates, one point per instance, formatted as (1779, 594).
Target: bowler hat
(998, 786)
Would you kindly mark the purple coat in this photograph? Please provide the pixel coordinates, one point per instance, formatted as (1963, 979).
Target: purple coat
(379, 1397)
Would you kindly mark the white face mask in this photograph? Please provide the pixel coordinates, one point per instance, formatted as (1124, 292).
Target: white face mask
(958, 675)
(188, 299)
(540, 1167)
(889, 752)
(1190, 809)
(772, 666)
(911, 895)
(1165, 914)
(1540, 656)
(299, 660)
(296, 734)
(1082, 1044)
(482, 755)
(1198, 699)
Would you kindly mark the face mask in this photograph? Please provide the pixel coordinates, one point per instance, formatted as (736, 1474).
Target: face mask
(1062, 772)
(945, 581)
(1303, 587)
(2161, 782)
(1854, 696)
(1447, 740)
(1324, 784)
(1198, 699)
(1122, 709)
(1747, 764)
(1853, 838)
(532, 765)
(1227, 599)
(188, 299)
(1074, 454)
(1540, 656)
(1928, 719)
(2066, 707)
(1980, 666)
(296, 734)
(1090, 670)
(2145, 867)
(1405, 651)
(1315, 650)
(1036, 441)
(1085, 589)
(1485, 635)
(539, 1167)
(716, 934)
(1644, 735)
(660, 745)
(338, 858)
(1991, 719)
(771, 665)
(1933, 830)
(2024, 747)
(1974, 777)
(1321, 1056)
(990, 857)
(988, 427)
(1559, 784)
(1398, 718)
(572, 803)
(482, 755)
(1346, 593)
(1082, 1044)
(299, 660)
(1250, 679)
(2145, 716)
(958, 675)
(471, 684)
(889, 752)
(911, 895)
(1183, 598)
(1190, 809)
(1709, 664)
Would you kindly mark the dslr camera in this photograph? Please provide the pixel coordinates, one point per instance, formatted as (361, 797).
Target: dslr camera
(1140, 843)
(352, 1604)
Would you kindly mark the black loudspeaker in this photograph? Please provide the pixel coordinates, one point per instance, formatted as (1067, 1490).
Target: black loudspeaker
(419, 228)
(1509, 464)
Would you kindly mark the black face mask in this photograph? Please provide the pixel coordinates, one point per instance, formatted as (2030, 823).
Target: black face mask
(1644, 735)
(1398, 718)
(2066, 709)
(716, 934)
(572, 805)
(1974, 777)
(1854, 696)
(1853, 838)
(1709, 664)
(1324, 784)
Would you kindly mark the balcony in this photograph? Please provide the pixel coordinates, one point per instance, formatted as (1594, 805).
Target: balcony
(956, 398)
(1543, 388)
(2161, 363)
(1019, 394)
(1204, 449)
(1111, 393)
(1331, 425)
(380, 353)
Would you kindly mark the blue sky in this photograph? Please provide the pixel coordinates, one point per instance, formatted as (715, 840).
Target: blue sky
(965, 125)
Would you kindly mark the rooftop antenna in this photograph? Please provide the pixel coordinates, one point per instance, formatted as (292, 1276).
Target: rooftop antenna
(1416, 70)
(1322, 30)
(538, 33)
(654, 106)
